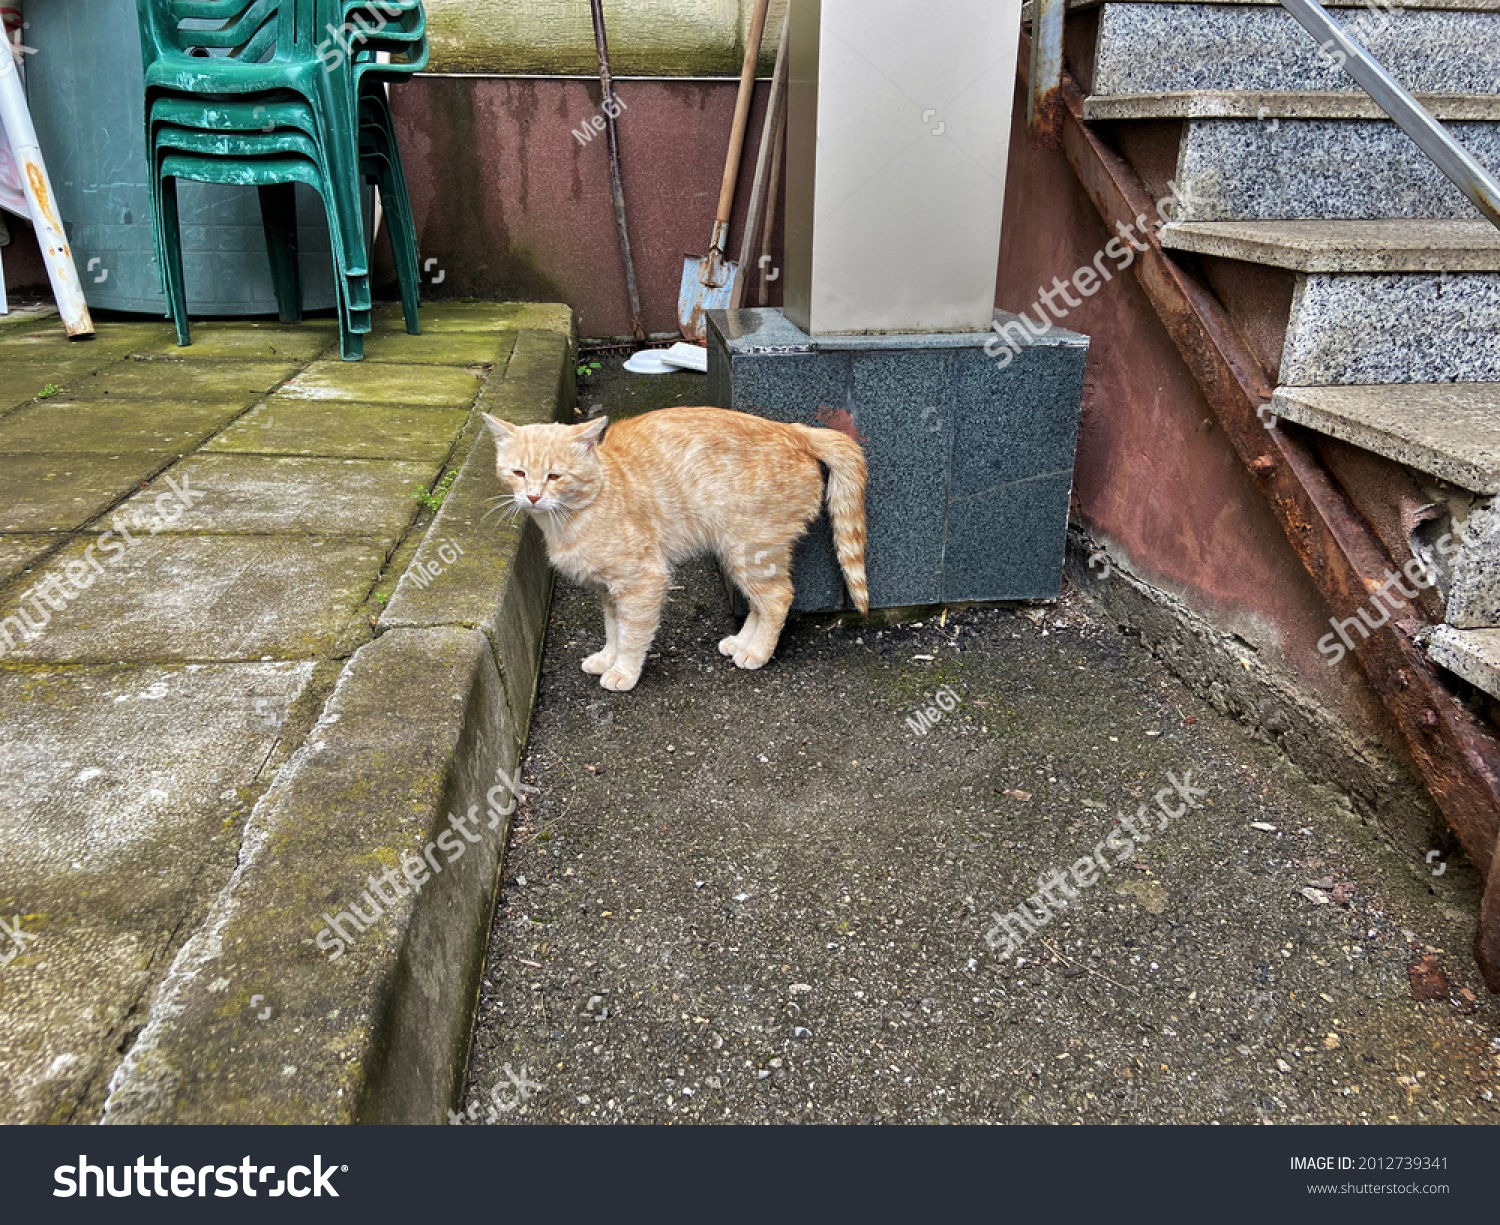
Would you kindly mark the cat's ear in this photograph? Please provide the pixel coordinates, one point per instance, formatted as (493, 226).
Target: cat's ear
(500, 429)
(587, 436)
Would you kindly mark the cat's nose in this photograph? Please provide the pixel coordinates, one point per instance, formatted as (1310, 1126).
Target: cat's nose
(533, 498)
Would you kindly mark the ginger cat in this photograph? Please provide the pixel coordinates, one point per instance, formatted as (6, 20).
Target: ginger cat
(677, 483)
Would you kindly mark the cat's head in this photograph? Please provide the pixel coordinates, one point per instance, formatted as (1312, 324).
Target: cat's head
(548, 467)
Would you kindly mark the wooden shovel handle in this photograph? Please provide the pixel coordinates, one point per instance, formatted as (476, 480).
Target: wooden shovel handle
(741, 113)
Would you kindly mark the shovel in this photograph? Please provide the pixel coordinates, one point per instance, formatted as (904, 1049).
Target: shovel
(707, 283)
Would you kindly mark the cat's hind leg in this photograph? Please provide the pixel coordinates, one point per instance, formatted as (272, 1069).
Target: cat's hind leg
(637, 615)
(767, 583)
(602, 661)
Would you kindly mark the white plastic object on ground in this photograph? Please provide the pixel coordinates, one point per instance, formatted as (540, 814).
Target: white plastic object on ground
(687, 357)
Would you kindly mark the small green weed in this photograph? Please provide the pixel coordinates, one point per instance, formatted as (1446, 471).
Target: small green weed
(432, 498)
(47, 392)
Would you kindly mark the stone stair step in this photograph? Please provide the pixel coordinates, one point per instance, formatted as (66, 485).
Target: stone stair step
(1322, 169)
(1387, 245)
(1476, 6)
(1393, 328)
(1473, 655)
(1447, 430)
(1154, 47)
(1266, 104)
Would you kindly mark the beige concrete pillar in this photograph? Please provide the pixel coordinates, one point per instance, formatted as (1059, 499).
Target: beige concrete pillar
(897, 132)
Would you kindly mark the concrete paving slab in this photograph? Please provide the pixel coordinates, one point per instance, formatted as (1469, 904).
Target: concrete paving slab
(284, 494)
(191, 598)
(30, 380)
(69, 427)
(298, 342)
(17, 552)
(440, 348)
(214, 379)
(1276, 104)
(57, 493)
(1473, 654)
(376, 1033)
(382, 383)
(340, 430)
(114, 340)
(125, 792)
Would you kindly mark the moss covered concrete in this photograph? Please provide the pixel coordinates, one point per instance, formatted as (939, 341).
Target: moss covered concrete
(646, 37)
(57, 493)
(157, 702)
(347, 430)
(382, 383)
(110, 425)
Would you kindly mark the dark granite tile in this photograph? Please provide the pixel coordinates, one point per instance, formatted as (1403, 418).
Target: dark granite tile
(791, 388)
(970, 465)
(1007, 544)
(1015, 423)
(904, 411)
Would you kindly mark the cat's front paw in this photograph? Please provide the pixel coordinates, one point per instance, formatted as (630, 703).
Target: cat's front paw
(750, 660)
(729, 646)
(598, 662)
(620, 679)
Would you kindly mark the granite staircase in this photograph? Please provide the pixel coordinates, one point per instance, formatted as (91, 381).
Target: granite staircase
(1312, 239)
(1296, 195)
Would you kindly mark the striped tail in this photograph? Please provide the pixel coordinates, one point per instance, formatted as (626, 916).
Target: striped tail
(846, 505)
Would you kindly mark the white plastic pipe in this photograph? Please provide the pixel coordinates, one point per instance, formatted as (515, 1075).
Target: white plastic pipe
(41, 202)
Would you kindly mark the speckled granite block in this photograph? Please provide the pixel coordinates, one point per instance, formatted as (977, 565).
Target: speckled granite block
(1398, 328)
(1471, 654)
(971, 466)
(1231, 169)
(1152, 48)
(904, 407)
(1474, 601)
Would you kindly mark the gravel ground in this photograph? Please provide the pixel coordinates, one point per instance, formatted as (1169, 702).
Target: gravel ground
(761, 897)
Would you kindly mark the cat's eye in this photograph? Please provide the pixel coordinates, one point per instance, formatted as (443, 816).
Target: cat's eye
(520, 472)
(552, 476)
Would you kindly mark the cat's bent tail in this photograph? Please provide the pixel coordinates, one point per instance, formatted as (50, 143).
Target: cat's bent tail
(846, 505)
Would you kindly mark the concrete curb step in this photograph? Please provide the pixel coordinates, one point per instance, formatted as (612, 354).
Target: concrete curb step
(1319, 169)
(1147, 48)
(408, 778)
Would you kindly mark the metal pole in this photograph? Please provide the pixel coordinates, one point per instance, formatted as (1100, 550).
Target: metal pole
(1044, 104)
(617, 185)
(40, 201)
(1409, 115)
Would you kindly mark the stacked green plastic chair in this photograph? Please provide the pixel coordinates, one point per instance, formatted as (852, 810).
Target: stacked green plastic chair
(271, 93)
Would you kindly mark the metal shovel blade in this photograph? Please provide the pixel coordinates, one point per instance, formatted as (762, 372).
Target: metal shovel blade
(707, 285)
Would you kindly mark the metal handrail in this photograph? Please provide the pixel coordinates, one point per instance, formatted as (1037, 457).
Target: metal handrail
(1450, 157)
(1408, 114)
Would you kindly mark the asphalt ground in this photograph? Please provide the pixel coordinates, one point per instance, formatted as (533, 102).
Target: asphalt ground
(763, 897)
